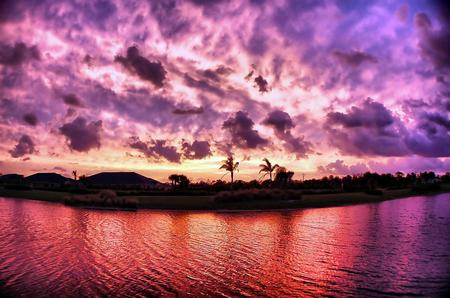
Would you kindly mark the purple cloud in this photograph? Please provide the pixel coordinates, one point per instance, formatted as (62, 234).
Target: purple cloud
(142, 67)
(18, 54)
(23, 147)
(339, 168)
(242, 133)
(30, 119)
(82, 136)
(434, 44)
(196, 150)
(188, 111)
(72, 100)
(282, 124)
(353, 58)
(367, 130)
(262, 84)
(156, 149)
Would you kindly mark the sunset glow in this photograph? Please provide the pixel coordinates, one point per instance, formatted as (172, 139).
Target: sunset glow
(161, 87)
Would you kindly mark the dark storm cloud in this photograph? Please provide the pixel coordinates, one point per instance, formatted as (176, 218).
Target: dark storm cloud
(24, 146)
(72, 100)
(11, 10)
(439, 119)
(434, 44)
(203, 85)
(188, 111)
(156, 149)
(279, 120)
(431, 138)
(262, 84)
(82, 136)
(367, 130)
(242, 133)
(282, 124)
(353, 58)
(216, 74)
(196, 150)
(14, 112)
(372, 114)
(30, 119)
(142, 67)
(257, 45)
(171, 21)
(17, 54)
(98, 12)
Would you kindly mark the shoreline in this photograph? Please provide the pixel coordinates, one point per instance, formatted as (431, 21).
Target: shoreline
(207, 203)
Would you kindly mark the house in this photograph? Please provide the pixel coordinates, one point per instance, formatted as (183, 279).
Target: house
(11, 179)
(47, 180)
(122, 180)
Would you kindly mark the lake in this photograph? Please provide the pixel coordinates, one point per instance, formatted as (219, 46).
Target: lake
(393, 248)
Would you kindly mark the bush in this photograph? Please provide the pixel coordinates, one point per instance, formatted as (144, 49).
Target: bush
(17, 187)
(104, 199)
(376, 192)
(424, 187)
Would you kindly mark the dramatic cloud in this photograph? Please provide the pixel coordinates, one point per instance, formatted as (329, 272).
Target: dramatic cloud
(196, 150)
(24, 146)
(367, 130)
(156, 149)
(141, 66)
(18, 54)
(431, 138)
(188, 111)
(30, 119)
(72, 100)
(282, 124)
(354, 58)
(82, 136)
(262, 84)
(280, 121)
(434, 44)
(242, 133)
(339, 168)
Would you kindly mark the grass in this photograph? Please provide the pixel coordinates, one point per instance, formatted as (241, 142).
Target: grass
(40, 195)
(240, 202)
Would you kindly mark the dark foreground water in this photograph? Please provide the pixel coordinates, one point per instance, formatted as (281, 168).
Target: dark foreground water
(394, 248)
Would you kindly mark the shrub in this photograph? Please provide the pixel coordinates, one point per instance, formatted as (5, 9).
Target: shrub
(376, 192)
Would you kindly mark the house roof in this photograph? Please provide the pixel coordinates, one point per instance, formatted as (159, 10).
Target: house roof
(47, 178)
(120, 178)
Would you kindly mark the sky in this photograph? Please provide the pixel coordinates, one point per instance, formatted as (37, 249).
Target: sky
(162, 87)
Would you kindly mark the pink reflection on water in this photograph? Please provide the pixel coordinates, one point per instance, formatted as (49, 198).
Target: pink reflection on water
(398, 247)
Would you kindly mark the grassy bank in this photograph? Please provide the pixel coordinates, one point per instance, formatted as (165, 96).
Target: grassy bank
(256, 200)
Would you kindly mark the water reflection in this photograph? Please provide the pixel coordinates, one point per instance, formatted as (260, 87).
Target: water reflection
(397, 247)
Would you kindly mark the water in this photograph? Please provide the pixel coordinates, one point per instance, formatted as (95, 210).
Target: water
(394, 248)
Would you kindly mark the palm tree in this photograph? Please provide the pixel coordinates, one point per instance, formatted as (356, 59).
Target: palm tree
(74, 173)
(268, 168)
(230, 166)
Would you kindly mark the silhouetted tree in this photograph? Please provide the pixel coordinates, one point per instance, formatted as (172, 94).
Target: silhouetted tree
(183, 181)
(268, 168)
(174, 179)
(230, 166)
(283, 176)
(74, 173)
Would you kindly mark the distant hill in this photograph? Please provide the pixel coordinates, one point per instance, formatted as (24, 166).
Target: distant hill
(121, 178)
(53, 178)
(11, 178)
